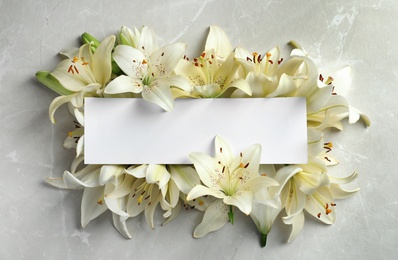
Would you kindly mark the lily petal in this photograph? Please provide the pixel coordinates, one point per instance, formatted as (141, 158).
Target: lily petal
(56, 103)
(108, 171)
(185, 177)
(101, 61)
(123, 84)
(120, 224)
(214, 218)
(200, 190)
(166, 59)
(242, 200)
(92, 205)
(297, 222)
(205, 167)
(130, 60)
(218, 40)
(159, 93)
(137, 171)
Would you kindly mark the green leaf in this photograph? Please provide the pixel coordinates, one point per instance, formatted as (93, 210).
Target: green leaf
(52, 83)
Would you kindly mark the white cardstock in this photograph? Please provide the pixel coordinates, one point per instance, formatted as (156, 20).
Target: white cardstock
(134, 131)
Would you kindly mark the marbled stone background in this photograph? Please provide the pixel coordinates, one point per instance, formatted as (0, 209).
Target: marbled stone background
(41, 222)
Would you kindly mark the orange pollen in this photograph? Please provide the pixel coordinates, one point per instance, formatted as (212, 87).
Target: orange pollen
(270, 61)
(100, 202)
(201, 202)
(264, 174)
(268, 54)
(328, 145)
(144, 61)
(85, 63)
(327, 206)
(241, 165)
(328, 211)
(319, 215)
(203, 55)
(75, 59)
(70, 134)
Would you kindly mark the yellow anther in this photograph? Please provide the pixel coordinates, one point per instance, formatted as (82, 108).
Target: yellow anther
(100, 201)
(139, 199)
(144, 61)
(268, 54)
(241, 165)
(75, 59)
(328, 145)
(264, 174)
(201, 202)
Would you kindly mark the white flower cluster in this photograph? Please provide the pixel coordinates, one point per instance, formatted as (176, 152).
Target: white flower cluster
(132, 65)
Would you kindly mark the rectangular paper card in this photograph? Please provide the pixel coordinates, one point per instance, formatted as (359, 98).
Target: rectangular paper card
(134, 131)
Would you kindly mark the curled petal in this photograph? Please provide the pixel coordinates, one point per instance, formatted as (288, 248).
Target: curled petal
(56, 103)
(355, 115)
(120, 224)
(297, 222)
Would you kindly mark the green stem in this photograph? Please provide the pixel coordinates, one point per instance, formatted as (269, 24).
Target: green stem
(263, 240)
(231, 215)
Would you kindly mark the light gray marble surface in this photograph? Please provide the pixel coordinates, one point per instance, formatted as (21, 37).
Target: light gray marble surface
(41, 222)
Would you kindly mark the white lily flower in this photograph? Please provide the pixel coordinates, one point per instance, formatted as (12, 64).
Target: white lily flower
(84, 75)
(146, 191)
(261, 74)
(325, 108)
(148, 73)
(212, 73)
(232, 179)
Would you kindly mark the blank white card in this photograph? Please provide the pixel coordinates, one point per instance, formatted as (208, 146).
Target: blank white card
(134, 131)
